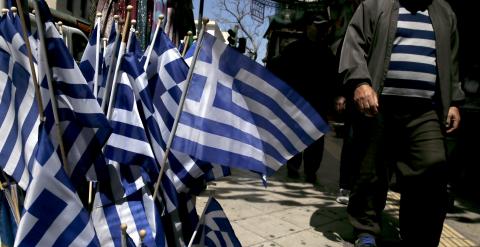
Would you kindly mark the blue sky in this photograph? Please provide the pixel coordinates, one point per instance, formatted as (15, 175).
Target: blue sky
(210, 5)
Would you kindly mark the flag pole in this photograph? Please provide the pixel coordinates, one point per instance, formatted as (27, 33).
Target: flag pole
(123, 239)
(38, 97)
(121, 52)
(98, 47)
(11, 197)
(53, 99)
(60, 28)
(132, 32)
(150, 47)
(186, 41)
(180, 107)
(142, 233)
(97, 55)
(202, 217)
(111, 70)
(36, 86)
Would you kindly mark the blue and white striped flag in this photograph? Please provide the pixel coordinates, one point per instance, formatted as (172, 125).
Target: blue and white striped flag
(239, 114)
(84, 126)
(180, 209)
(125, 198)
(18, 109)
(138, 211)
(53, 213)
(109, 59)
(133, 45)
(92, 60)
(8, 226)
(129, 145)
(215, 229)
(167, 72)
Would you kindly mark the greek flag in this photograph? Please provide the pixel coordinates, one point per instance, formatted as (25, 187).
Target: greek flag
(53, 213)
(239, 114)
(109, 59)
(8, 226)
(215, 230)
(18, 108)
(180, 209)
(129, 145)
(138, 211)
(133, 45)
(91, 61)
(166, 73)
(84, 126)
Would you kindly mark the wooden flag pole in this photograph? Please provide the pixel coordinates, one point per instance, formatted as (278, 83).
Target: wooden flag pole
(104, 43)
(60, 28)
(180, 108)
(11, 197)
(186, 42)
(121, 52)
(53, 98)
(150, 47)
(123, 240)
(36, 86)
(142, 234)
(111, 70)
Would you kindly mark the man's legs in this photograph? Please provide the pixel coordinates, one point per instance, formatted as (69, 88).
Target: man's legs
(424, 197)
(369, 191)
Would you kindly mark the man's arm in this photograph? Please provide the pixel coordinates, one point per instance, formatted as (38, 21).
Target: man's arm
(353, 60)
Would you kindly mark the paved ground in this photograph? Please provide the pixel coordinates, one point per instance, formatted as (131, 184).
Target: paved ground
(293, 213)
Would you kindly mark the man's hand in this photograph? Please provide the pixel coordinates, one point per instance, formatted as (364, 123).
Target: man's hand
(366, 100)
(453, 119)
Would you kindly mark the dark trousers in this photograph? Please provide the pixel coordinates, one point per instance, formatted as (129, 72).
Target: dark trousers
(415, 143)
(348, 166)
(312, 157)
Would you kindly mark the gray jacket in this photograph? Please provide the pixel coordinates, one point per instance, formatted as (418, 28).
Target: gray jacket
(369, 39)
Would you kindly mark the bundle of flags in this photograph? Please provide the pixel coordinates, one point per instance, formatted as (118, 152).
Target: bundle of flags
(231, 112)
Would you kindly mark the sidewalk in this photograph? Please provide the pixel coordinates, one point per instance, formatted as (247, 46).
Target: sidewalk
(293, 213)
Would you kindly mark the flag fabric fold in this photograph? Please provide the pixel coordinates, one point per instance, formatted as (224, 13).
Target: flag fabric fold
(239, 114)
(89, 66)
(136, 210)
(84, 126)
(53, 213)
(180, 213)
(167, 73)
(215, 229)
(18, 108)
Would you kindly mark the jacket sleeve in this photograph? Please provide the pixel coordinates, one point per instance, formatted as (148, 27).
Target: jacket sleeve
(353, 65)
(458, 96)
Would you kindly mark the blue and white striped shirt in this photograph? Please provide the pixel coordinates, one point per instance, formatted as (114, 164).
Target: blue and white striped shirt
(412, 71)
